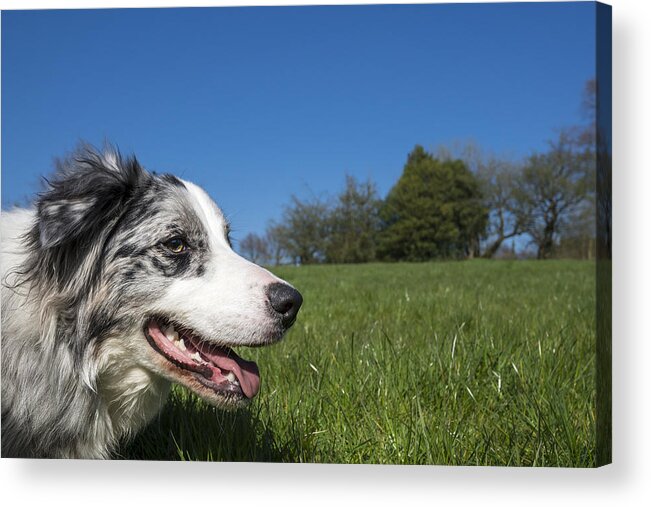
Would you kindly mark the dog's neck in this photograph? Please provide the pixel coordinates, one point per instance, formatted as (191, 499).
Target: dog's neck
(131, 394)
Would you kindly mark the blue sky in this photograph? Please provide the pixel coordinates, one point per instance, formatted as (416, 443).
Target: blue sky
(255, 104)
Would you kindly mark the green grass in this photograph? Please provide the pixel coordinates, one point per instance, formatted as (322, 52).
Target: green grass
(459, 363)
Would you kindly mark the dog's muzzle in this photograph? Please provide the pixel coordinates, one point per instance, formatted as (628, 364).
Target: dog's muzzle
(285, 302)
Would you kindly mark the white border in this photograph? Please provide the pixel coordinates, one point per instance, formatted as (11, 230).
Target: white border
(627, 482)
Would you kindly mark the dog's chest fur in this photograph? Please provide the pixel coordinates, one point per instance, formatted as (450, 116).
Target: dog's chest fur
(131, 394)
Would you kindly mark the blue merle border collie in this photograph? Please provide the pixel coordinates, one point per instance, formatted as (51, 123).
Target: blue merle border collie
(116, 283)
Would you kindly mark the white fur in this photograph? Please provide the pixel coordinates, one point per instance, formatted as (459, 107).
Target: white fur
(230, 296)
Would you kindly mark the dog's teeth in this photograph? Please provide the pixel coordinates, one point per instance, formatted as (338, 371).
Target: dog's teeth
(181, 344)
(197, 357)
(170, 333)
(231, 377)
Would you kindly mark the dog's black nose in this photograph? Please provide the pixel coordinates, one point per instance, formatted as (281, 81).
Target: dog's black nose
(285, 301)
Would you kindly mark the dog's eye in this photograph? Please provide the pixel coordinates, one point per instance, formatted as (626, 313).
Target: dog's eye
(176, 245)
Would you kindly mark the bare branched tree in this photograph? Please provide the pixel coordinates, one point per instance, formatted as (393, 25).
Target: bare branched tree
(277, 239)
(305, 228)
(507, 220)
(354, 223)
(255, 248)
(553, 186)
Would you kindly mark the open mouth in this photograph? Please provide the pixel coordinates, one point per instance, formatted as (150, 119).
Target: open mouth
(216, 368)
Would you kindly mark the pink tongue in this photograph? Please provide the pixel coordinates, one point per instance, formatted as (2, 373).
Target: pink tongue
(247, 372)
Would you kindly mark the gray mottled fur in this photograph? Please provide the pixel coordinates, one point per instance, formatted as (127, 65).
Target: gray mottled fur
(77, 271)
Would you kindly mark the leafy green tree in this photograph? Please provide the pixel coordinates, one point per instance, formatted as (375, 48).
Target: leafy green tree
(354, 223)
(435, 210)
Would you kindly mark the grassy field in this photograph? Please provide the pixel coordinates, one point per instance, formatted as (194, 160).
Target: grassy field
(459, 363)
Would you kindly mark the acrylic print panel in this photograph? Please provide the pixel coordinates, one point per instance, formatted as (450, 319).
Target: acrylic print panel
(349, 234)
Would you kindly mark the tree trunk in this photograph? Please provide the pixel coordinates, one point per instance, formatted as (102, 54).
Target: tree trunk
(546, 246)
(495, 246)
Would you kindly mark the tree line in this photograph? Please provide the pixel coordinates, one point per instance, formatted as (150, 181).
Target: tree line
(455, 202)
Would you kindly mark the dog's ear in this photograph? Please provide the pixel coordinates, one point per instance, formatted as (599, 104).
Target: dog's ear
(88, 190)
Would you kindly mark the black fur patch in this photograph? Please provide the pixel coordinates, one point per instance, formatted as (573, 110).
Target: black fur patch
(170, 178)
(126, 250)
(85, 201)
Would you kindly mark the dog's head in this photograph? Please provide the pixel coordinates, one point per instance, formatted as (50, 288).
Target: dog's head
(145, 261)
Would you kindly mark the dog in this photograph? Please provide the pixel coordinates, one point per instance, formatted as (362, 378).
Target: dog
(116, 283)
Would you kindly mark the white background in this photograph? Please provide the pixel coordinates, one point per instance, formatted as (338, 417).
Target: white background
(626, 482)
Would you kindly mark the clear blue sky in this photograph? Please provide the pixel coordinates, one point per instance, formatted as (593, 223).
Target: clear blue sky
(257, 103)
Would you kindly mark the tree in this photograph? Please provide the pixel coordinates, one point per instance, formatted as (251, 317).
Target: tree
(498, 177)
(499, 180)
(276, 238)
(354, 223)
(255, 248)
(553, 185)
(304, 231)
(577, 237)
(435, 210)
